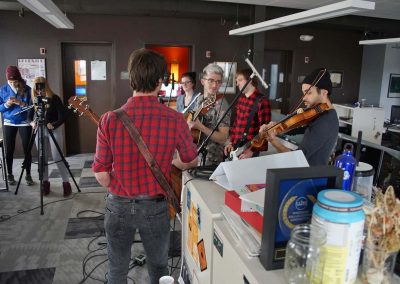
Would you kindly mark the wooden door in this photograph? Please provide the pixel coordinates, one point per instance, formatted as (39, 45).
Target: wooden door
(81, 131)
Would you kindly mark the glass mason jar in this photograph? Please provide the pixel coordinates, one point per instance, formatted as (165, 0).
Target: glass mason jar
(377, 265)
(302, 255)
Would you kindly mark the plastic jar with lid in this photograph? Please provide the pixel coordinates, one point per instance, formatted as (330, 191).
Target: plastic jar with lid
(340, 214)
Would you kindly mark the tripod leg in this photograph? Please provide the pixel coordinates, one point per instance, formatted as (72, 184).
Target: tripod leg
(63, 158)
(30, 145)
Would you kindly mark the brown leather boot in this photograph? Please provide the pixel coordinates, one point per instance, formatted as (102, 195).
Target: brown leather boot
(67, 188)
(46, 187)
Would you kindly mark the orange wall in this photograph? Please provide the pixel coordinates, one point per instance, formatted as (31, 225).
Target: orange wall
(174, 54)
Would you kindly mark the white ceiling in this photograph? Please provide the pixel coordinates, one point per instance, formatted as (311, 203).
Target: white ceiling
(388, 9)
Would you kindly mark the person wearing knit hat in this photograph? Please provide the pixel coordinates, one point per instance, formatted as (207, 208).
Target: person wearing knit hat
(14, 96)
(188, 83)
(320, 135)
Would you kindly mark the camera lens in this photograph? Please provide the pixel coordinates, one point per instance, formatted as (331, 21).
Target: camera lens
(40, 86)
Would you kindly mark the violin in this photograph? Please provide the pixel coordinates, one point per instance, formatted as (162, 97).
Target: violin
(206, 105)
(295, 120)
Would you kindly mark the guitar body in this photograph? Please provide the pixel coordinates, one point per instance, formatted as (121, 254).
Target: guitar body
(176, 184)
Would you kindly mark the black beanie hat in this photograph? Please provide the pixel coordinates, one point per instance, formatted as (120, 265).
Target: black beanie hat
(324, 83)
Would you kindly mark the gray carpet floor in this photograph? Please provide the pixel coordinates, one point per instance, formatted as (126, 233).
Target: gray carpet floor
(66, 244)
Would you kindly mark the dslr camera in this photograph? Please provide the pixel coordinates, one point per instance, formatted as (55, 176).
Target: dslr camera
(40, 100)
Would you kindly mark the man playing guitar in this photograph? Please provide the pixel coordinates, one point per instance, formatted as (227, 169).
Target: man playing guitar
(211, 81)
(252, 111)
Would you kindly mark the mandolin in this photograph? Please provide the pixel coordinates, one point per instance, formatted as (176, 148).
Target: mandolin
(176, 174)
(292, 121)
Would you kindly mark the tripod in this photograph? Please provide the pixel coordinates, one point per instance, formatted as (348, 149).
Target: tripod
(40, 131)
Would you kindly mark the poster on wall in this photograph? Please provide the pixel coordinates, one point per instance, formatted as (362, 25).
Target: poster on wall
(31, 68)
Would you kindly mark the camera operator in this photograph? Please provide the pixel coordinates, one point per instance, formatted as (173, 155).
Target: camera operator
(13, 97)
(54, 116)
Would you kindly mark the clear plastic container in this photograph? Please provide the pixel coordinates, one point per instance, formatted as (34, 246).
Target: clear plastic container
(302, 254)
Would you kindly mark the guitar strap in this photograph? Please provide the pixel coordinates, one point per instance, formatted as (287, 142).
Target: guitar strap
(151, 162)
(242, 140)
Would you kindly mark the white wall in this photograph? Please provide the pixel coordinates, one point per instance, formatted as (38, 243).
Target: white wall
(391, 66)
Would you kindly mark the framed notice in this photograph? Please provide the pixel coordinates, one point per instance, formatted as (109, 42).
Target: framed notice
(289, 199)
(394, 86)
(31, 68)
(337, 79)
(229, 79)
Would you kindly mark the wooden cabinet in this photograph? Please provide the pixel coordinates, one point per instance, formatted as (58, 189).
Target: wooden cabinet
(369, 120)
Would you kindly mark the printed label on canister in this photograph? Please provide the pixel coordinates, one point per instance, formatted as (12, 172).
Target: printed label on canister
(341, 252)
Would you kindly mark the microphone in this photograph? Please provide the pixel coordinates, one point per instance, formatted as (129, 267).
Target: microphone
(265, 85)
(173, 81)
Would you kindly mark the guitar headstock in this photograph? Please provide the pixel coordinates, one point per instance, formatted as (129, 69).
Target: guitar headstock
(82, 108)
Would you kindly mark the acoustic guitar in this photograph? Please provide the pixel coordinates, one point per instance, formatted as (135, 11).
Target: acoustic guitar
(83, 108)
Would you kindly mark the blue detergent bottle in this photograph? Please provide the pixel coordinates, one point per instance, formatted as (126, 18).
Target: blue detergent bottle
(347, 163)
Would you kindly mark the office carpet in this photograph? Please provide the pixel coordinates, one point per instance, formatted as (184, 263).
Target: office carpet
(66, 243)
(84, 227)
(41, 275)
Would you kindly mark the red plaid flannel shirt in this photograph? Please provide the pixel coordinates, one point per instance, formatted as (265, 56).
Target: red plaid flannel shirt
(243, 109)
(162, 129)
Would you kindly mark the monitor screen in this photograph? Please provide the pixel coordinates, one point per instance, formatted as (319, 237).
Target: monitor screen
(395, 115)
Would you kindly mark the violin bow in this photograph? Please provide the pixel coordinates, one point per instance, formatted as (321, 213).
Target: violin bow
(321, 73)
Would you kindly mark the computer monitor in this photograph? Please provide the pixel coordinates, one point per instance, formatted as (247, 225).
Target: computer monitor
(395, 115)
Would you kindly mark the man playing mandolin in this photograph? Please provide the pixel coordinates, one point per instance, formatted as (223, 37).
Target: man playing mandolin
(252, 111)
(211, 81)
(320, 134)
(136, 200)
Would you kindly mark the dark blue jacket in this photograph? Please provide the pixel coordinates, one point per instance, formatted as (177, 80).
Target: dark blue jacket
(9, 113)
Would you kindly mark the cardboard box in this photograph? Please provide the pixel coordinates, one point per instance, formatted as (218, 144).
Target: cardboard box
(254, 219)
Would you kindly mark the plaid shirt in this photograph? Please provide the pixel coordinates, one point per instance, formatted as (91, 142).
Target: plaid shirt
(243, 110)
(162, 129)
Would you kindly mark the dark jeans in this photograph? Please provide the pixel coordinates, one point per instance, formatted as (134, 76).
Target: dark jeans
(10, 133)
(123, 217)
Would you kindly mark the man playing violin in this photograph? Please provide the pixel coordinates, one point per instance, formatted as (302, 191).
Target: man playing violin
(248, 115)
(321, 134)
(211, 81)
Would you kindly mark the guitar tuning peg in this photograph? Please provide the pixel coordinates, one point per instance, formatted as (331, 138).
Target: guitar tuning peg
(81, 113)
(69, 107)
(75, 111)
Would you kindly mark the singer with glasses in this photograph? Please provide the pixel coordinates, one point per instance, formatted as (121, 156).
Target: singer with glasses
(321, 134)
(188, 83)
(14, 96)
(214, 152)
(55, 116)
(252, 111)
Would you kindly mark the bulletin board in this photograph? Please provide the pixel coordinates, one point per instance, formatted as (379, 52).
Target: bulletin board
(31, 68)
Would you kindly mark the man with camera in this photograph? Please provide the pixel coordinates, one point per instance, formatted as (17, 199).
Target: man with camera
(14, 96)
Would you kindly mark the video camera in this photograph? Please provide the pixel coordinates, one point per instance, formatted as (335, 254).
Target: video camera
(40, 99)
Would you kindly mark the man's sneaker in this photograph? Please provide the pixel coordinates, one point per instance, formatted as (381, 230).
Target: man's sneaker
(29, 180)
(11, 180)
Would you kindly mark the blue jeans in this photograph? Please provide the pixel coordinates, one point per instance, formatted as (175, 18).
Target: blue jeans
(123, 217)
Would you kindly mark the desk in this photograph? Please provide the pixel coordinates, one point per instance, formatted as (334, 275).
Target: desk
(395, 129)
(234, 265)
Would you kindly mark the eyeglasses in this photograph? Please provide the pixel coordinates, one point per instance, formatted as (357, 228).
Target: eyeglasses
(185, 83)
(212, 81)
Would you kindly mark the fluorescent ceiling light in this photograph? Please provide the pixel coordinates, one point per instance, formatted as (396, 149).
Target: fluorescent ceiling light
(325, 12)
(379, 41)
(47, 10)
